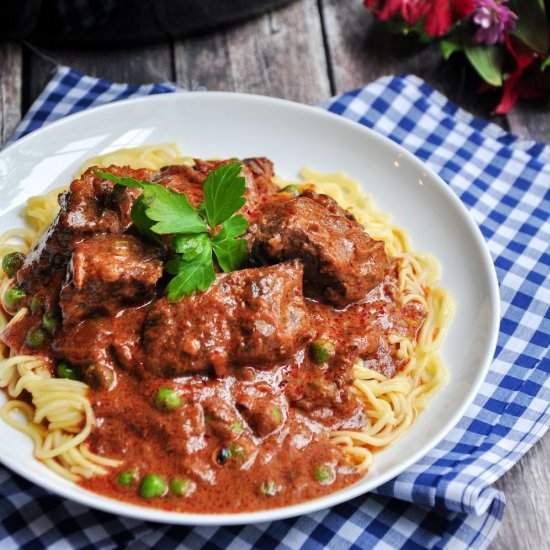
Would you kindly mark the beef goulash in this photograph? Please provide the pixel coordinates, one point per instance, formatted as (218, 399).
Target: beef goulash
(224, 400)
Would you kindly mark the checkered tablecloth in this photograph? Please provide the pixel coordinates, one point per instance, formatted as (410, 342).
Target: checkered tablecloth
(446, 499)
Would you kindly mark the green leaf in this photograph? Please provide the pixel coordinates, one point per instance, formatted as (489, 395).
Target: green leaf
(197, 274)
(233, 227)
(231, 252)
(190, 246)
(545, 63)
(172, 212)
(141, 221)
(126, 182)
(487, 61)
(450, 45)
(223, 190)
(532, 25)
(160, 211)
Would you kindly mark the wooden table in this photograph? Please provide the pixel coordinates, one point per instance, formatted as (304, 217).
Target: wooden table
(305, 52)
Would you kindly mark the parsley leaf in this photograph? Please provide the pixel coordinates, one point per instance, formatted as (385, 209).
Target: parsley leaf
(231, 252)
(160, 211)
(190, 275)
(126, 182)
(172, 211)
(141, 221)
(190, 246)
(223, 190)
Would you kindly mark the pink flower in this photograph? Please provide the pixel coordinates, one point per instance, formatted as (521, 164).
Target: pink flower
(494, 19)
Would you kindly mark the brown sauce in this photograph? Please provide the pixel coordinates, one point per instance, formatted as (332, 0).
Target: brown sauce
(248, 434)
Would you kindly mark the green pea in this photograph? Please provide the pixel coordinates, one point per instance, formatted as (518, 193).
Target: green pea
(167, 400)
(36, 304)
(321, 350)
(180, 486)
(324, 474)
(12, 262)
(50, 321)
(64, 370)
(127, 477)
(237, 451)
(268, 488)
(152, 485)
(291, 190)
(12, 296)
(35, 337)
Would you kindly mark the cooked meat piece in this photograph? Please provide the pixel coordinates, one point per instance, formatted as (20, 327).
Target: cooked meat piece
(48, 259)
(221, 418)
(264, 417)
(341, 262)
(260, 407)
(105, 341)
(248, 317)
(315, 390)
(85, 344)
(90, 204)
(314, 394)
(190, 179)
(95, 204)
(107, 272)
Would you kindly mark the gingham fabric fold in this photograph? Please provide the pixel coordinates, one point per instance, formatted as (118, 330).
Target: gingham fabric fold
(445, 500)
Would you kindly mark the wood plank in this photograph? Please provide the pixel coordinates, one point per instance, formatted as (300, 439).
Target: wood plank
(530, 120)
(280, 54)
(10, 88)
(361, 50)
(140, 65)
(526, 486)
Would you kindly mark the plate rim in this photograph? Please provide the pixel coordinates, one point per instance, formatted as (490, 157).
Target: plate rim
(134, 511)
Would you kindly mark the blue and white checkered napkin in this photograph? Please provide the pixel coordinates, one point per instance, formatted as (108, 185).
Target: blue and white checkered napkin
(445, 500)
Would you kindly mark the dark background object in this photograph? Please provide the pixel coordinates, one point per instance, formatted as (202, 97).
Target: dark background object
(108, 23)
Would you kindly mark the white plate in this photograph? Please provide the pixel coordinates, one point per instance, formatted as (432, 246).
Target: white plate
(212, 124)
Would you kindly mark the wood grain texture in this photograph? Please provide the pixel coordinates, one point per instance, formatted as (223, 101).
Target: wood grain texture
(526, 486)
(280, 54)
(10, 88)
(140, 65)
(530, 121)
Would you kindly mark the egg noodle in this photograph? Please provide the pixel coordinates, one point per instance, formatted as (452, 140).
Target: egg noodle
(57, 415)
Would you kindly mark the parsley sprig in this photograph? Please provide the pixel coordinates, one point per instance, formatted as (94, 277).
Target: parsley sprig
(200, 233)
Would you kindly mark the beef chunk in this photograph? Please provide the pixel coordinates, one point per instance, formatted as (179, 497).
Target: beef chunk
(90, 204)
(190, 179)
(248, 317)
(221, 418)
(107, 272)
(106, 341)
(263, 417)
(341, 262)
(263, 411)
(95, 204)
(48, 259)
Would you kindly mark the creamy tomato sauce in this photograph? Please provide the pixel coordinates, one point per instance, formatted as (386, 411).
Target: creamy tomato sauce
(230, 394)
